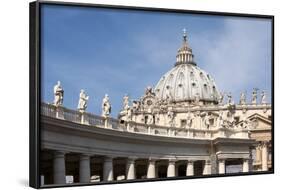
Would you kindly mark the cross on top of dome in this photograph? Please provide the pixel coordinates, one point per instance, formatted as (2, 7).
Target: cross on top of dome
(185, 52)
(184, 34)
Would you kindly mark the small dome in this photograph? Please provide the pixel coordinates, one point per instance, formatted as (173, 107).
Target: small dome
(186, 81)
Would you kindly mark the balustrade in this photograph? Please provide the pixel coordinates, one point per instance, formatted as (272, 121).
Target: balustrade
(50, 110)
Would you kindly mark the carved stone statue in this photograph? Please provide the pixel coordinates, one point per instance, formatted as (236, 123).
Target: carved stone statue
(243, 98)
(149, 119)
(221, 98)
(207, 121)
(229, 99)
(220, 119)
(149, 91)
(170, 115)
(125, 101)
(83, 100)
(58, 93)
(136, 105)
(168, 95)
(254, 96)
(128, 114)
(263, 97)
(189, 119)
(106, 106)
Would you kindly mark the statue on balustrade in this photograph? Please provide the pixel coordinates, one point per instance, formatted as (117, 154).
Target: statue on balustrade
(136, 105)
(263, 97)
(125, 101)
(58, 93)
(106, 106)
(243, 98)
(230, 100)
(128, 114)
(83, 101)
(221, 98)
(254, 96)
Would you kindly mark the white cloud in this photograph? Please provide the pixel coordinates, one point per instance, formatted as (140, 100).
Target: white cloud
(239, 58)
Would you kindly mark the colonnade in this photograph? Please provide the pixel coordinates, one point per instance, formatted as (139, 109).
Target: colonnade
(59, 168)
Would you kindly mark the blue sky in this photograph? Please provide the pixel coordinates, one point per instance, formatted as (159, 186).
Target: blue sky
(121, 52)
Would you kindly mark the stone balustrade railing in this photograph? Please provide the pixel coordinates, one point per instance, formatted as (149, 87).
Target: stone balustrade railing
(89, 119)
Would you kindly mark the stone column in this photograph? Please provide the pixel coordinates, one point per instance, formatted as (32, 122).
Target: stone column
(258, 154)
(59, 167)
(221, 166)
(264, 157)
(190, 168)
(207, 168)
(131, 168)
(171, 170)
(108, 169)
(151, 168)
(246, 165)
(84, 169)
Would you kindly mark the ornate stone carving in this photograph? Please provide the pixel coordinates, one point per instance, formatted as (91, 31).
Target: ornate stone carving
(220, 119)
(136, 105)
(149, 91)
(263, 97)
(171, 116)
(149, 119)
(58, 94)
(83, 100)
(229, 99)
(189, 119)
(207, 121)
(106, 106)
(221, 98)
(243, 98)
(254, 96)
(125, 102)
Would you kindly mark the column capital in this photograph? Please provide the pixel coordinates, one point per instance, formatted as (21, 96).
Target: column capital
(108, 158)
(190, 161)
(172, 160)
(221, 160)
(152, 159)
(264, 143)
(207, 162)
(133, 158)
(59, 153)
(85, 156)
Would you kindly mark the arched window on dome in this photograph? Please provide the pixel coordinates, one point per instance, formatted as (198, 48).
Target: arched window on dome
(205, 89)
(214, 91)
(180, 86)
(191, 75)
(194, 89)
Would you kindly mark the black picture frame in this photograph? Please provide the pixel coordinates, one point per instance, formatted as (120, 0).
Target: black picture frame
(35, 84)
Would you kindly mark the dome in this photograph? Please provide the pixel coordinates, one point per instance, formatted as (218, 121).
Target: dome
(186, 81)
